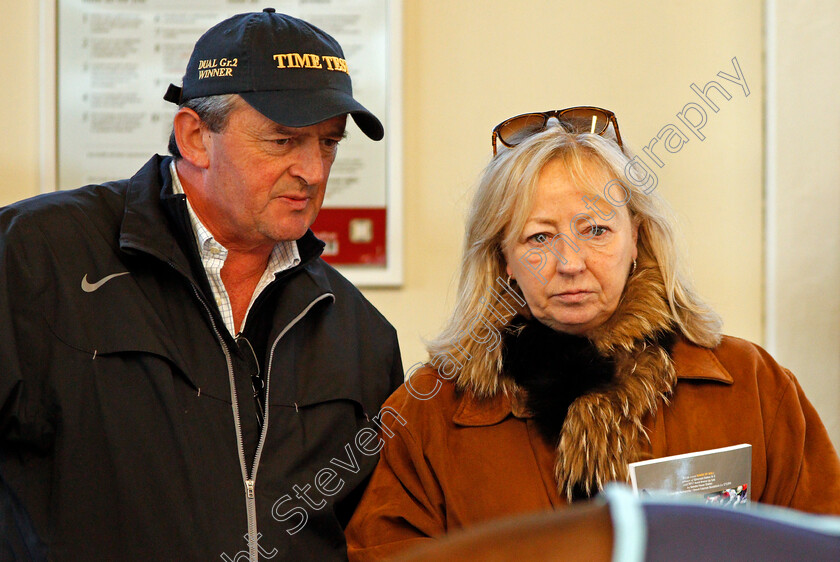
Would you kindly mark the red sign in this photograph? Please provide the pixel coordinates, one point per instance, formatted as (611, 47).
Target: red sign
(352, 236)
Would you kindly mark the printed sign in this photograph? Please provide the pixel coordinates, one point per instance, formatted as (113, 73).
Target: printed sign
(116, 59)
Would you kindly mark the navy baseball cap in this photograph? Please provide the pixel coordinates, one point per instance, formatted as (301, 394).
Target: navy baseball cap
(285, 68)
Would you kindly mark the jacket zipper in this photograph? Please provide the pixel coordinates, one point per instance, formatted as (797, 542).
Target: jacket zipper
(288, 327)
(250, 480)
(250, 502)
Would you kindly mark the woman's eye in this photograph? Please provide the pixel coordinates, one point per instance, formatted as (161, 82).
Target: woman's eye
(539, 238)
(598, 230)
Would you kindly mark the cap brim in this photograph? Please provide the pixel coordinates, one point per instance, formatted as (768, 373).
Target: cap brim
(285, 107)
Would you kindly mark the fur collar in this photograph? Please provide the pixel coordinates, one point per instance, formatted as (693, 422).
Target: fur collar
(553, 369)
(589, 395)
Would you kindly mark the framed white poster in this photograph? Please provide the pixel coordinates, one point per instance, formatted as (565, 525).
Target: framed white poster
(112, 61)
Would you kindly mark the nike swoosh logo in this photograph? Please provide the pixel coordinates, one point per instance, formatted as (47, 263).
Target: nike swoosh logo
(91, 287)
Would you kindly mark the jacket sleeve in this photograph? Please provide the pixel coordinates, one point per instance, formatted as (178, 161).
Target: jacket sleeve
(803, 469)
(22, 332)
(393, 379)
(396, 376)
(25, 428)
(10, 371)
(403, 505)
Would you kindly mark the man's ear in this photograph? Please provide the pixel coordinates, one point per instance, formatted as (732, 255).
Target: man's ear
(189, 134)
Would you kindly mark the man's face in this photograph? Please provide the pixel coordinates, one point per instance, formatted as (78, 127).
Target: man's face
(266, 182)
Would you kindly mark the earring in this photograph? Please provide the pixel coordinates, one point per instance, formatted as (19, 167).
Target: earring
(633, 269)
(508, 280)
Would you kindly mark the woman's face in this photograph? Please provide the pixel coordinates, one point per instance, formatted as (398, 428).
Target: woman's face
(582, 292)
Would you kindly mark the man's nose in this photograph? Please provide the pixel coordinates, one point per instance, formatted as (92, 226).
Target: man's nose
(309, 162)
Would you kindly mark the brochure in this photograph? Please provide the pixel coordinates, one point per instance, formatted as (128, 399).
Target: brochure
(721, 476)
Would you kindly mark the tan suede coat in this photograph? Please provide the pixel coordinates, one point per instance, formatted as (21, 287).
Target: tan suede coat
(453, 460)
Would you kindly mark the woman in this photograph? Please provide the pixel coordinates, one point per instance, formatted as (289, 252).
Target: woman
(577, 346)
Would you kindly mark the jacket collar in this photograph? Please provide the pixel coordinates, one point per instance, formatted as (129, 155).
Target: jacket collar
(692, 363)
(698, 363)
(146, 227)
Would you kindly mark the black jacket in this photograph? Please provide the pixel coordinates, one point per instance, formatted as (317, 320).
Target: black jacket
(118, 436)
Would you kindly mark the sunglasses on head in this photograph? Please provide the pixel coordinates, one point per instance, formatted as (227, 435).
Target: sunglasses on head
(584, 119)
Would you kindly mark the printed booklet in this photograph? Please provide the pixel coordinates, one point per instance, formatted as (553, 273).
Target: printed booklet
(721, 476)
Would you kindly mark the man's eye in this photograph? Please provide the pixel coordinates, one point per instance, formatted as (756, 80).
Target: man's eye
(331, 143)
(282, 141)
(598, 230)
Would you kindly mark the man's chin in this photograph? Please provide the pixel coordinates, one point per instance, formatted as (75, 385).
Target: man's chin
(289, 228)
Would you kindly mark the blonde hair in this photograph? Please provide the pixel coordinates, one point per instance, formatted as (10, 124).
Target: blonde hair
(500, 208)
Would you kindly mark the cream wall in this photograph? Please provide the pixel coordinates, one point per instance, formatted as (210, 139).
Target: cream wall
(803, 300)
(470, 64)
(19, 100)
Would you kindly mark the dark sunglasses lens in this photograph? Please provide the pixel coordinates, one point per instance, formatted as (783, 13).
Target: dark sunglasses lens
(249, 355)
(519, 128)
(586, 121)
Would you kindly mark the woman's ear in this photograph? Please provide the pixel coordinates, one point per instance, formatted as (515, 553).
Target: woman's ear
(504, 259)
(635, 231)
(189, 134)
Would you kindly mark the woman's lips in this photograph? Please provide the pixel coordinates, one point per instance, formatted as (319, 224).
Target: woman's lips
(572, 296)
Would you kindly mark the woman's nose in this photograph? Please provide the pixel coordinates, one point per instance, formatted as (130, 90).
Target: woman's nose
(569, 255)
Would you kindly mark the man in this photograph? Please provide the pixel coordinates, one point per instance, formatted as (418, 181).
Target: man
(181, 375)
